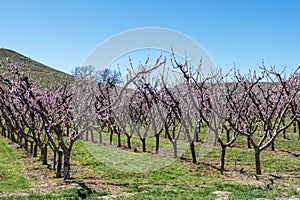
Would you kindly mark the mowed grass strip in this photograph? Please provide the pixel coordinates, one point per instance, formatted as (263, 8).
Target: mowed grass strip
(11, 171)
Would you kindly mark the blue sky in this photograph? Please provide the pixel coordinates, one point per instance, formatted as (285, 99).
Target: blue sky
(62, 33)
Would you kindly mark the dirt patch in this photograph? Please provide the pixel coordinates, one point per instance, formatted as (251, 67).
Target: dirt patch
(221, 195)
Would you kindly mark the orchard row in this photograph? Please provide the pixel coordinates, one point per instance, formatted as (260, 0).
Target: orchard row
(150, 101)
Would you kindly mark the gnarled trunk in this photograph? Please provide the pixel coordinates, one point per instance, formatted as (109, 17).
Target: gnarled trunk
(87, 136)
(143, 144)
(197, 137)
(228, 135)
(44, 154)
(35, 148)
(26, 144)
(193, 152)
(92, 135)
(174, 143)
(156, 143)
(284, 131)
(20, 141)
(100, 137)
(249, 143)
(59, 164)
(128, 141)
(222, 158)
(31, 146)
(257, 161)
(67, 155)
(3, 130)
(111, 136)
(119, 139)
(54, 159)
(272, 143)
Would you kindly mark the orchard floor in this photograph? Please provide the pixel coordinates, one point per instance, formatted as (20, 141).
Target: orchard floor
(179, 180)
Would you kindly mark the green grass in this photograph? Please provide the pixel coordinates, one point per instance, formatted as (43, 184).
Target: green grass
(11, 171)
(183, 180)
(178, 179)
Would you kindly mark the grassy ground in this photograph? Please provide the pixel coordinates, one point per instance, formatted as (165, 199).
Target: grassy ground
(11, 170)
(178, 179)
(183, 180)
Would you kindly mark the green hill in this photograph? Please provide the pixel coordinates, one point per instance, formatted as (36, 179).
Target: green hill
(44, 75)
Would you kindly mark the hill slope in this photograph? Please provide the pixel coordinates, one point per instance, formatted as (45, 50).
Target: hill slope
(44, 75)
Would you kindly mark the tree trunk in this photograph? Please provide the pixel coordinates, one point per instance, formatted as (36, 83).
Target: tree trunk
(100, 137)
(92, 135)
(26, 144)
(199, 131)
(128, 141)
(67, 155)
(284, 134)
(193, 152)
(257, 161)
(143, 144)
(249, 143)
(223, 153)
(228, 135)
(3, 131)
(184, 136)
(20, 140)
(35, 150)
(111, 136)
(87, 136)
(44, 152)
(8, 134)
(59, 165)
(197, 137)
(174, 143)
(119, 139)
(284, 131)
(156, 143)
(54, 159)
(295, 126)
(31, 147)
(68, 129)
(13, 138)
(272, 144)
(298, 129)
(215, 139)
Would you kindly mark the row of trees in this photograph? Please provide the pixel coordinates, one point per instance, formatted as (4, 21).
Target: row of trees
(55, 117)
(148, 102)
(256, 106)
(38, 118)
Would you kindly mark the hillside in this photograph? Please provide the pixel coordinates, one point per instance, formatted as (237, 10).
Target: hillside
(45, 75)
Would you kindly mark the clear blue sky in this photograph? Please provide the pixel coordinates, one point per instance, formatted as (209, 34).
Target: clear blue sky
(61, 33)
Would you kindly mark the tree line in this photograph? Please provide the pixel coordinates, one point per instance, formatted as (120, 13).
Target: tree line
(148, 102)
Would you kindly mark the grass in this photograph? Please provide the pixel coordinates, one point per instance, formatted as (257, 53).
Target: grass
(11, 171)
(183, 180)
(276, 161)
(176, 179)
